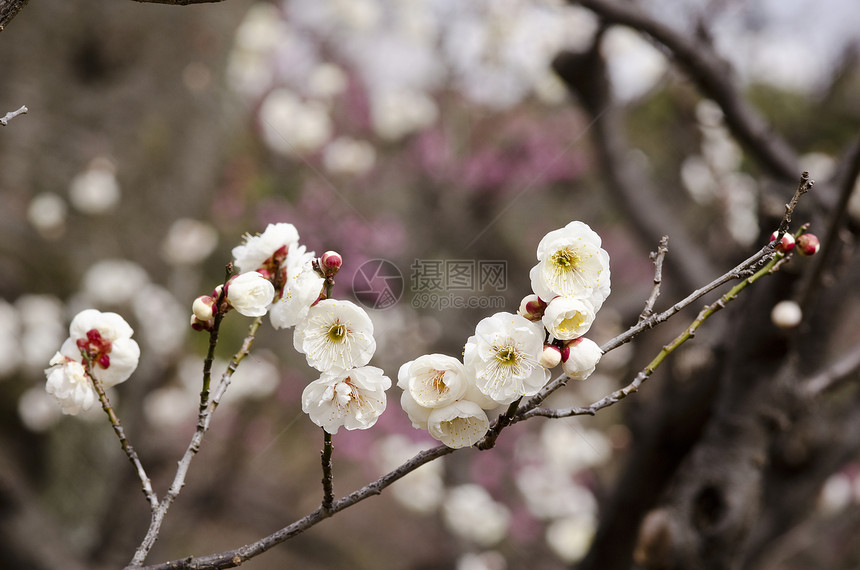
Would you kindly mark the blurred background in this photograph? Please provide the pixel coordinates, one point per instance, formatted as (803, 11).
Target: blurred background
(427, 133)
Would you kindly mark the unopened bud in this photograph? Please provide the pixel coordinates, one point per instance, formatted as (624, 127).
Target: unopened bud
(808, 244)
(786, 314)
(203, 308)
(550, 357)
(532, 308)
(330, 263)
(786, 243)
(579, 358)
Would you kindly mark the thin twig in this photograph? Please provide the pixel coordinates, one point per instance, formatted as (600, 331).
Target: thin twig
(145, 483)
(4, 120)
(658, 257)
(204, 421)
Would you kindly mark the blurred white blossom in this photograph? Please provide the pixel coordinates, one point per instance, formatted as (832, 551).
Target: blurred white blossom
(188, 242)
(293, 126)
(421, 490)
(95, 190)
(38, 410)
(570, 537)
(471, 513)
(114, 281)
(47, 213)
(346, 155)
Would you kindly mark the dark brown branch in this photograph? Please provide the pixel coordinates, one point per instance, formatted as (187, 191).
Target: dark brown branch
(9, 9)
(713, 76)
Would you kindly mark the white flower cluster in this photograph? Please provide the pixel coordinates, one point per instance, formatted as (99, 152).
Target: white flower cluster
(105, 339)
(510, 355)
(335, 336)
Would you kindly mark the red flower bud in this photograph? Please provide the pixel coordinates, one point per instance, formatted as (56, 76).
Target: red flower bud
(808, 244)
(330, 263)
(785, 244)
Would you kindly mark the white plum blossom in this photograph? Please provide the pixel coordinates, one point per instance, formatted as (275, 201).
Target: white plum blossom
(106, 338)
(580, 357)
(470, 512)
(67, 381)
(571, 263)
(460, 424)
(418, 414)
(335, 335)
(567, 318)
(433, 380)
(353, 399)
(250, 293)
(502, 356)
(256, 250)
(301, 290)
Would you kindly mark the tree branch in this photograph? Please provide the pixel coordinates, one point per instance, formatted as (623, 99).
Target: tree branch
(4, 120)
(713, 76)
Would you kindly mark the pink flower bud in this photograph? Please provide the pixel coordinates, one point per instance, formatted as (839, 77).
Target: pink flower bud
(532, 308)
(330, 263)
(808, 244)
(785, 244)
(550, 357)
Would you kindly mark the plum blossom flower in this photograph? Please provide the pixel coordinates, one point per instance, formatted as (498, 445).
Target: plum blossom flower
(571, 263)
(580, 357)
(253, 253)
(460, 424)
(502, 356)
(335, 335)
(418, 414)
(69, 384)
(250, 293)
(433, 380)
(567, 318)
(106, 339)
(353, 399)
(302, 289)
